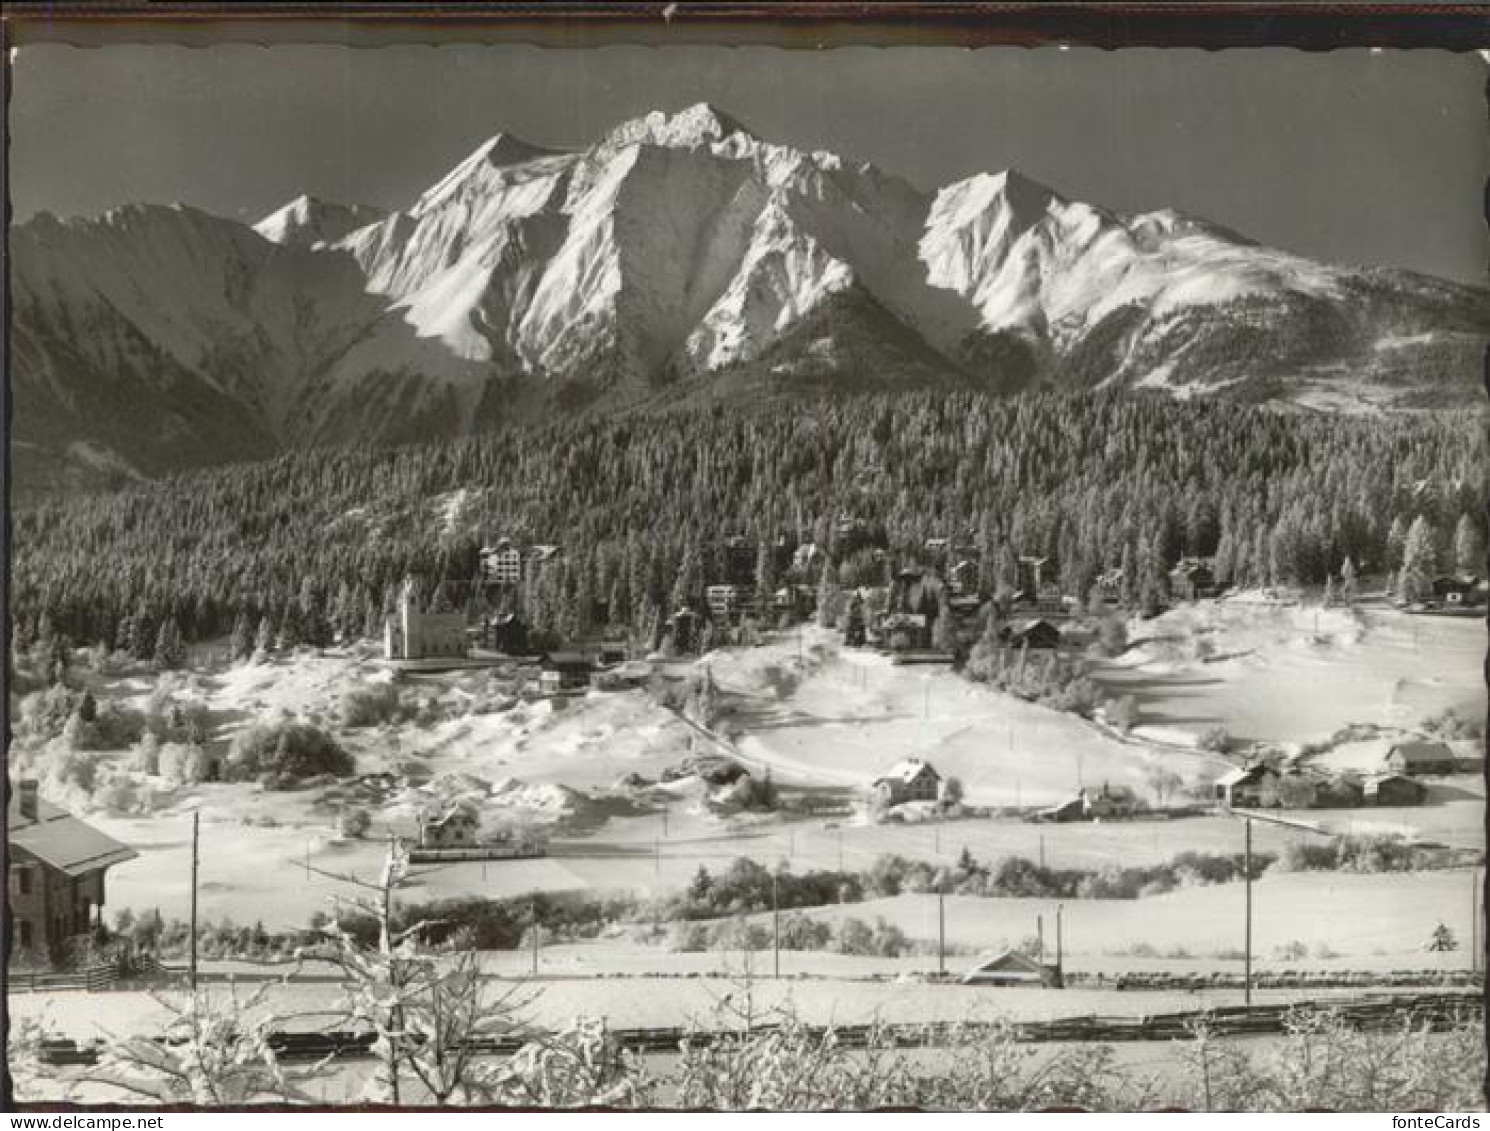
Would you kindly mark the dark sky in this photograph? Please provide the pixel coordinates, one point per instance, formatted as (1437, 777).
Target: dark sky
(1348, 156)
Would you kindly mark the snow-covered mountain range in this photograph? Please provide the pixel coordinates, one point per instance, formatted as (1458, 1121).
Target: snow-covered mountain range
(678, 257)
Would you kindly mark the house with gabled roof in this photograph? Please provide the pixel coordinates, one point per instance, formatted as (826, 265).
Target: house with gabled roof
(1421, 757)
(454, 825)
(910, 779)
(57, 868)
(1012, 968)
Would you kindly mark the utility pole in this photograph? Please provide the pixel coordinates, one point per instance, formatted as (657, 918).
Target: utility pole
(533, 930)
(1042, 850)
(1040, 936)
(196, 819)
(941, 927)
(775, 929)
(664, 820)
(1474, 919)
(840, 850)
(1247, 946)
(1059, 946)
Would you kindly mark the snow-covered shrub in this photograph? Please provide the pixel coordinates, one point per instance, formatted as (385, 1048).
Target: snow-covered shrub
(286, 752)
(372, 705)
(44, 714)
(355, 822)
(1214, 739)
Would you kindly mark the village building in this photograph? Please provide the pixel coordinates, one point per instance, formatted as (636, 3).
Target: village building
(1049, 598)
(1394, 789)
(456, 825)
(1420, 758)
(682, 627)
(1032, 634)
(1013, 968)
(792, 602)
(1110, 583)
(1072, 809)
(1250, 787)
(610, 652)
(1458, 592)
(908, 780)
(725, 602)
(1191, 580)
(502, 562)
(507, 634)
(1109, 802)
(412, 634)
(57, 868)
(904, 632)
(565, 671)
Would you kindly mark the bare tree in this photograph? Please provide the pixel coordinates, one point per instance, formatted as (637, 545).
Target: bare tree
(432, 1016)
(214, 1052)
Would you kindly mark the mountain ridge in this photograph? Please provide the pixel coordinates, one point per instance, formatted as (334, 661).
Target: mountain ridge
(679, 251)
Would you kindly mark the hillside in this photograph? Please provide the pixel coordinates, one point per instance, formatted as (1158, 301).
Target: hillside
(643, 503)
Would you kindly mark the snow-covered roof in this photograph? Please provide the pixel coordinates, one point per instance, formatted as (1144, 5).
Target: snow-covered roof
(1422, 751)
(907, 770)
(1245, 774)
(462, 807)
(1020, 627)
(59, 839)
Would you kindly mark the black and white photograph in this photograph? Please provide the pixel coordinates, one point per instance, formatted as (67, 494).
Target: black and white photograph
(743, 576)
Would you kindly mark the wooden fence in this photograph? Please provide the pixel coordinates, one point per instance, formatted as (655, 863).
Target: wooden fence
(1435, 1011)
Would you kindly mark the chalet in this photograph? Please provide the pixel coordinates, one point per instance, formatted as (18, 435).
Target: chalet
(1074, 809)
(507, 634)
(1458, 592)
(1191, 580)
(1032, 634)
(610, 652)
(1416, 759)
(456, 825)
(57, 867)
(909, 780)
(412, 634)
(1110, 585)
(565, 671)
(904, 632)
(1110, 801)
(1394, 789)
(1251, 787)
(682, 626)
(1012, 968)
(790, 603)
(502, 562)
(725, 601)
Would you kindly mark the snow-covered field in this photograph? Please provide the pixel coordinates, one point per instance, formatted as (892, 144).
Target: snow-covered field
(1294, 673)
(821, 719)
(815, 712)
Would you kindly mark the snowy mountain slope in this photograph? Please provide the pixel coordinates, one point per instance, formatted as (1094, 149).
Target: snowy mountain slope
(311, 222)
(680, 256)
